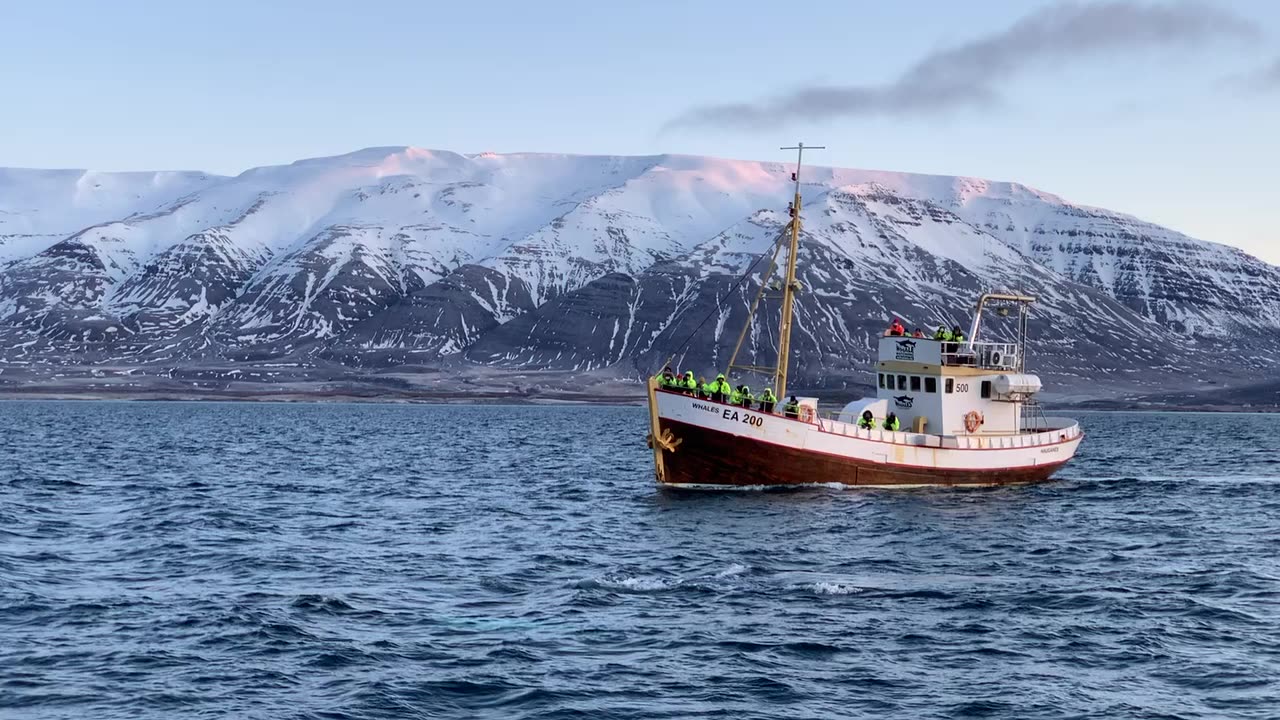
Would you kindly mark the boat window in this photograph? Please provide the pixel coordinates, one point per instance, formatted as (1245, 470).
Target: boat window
(888, 381)
(915, 383)
(986, 388)
(931, 385)
(881, 375)
(951, 383)
(902, 382)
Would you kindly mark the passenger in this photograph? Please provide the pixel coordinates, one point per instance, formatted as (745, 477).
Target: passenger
(918, 333)
(667, 379)
(719, 389)
(735, 397)
(942, 334)
(957, 336)
(896, 329)
(891, 422)
(867, 422)
(688, 384)
(767, 400)
(747, 397)
(792, 408)
(704, 390)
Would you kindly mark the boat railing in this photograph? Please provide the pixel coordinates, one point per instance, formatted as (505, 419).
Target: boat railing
(986, 356)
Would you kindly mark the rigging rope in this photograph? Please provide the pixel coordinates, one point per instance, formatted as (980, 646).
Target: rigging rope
(719, 301)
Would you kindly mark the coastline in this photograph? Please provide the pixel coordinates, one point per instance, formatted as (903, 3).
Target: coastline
(507, 397)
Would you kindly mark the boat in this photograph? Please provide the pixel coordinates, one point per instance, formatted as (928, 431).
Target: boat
(967, 411)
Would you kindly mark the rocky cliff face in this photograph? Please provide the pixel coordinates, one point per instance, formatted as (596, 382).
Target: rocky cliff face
(567, 266)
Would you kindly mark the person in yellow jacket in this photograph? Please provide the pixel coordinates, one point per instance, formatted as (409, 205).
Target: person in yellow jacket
(891, 423)
(688, 384)
(767, 400)
(719, 389)
(867, 421)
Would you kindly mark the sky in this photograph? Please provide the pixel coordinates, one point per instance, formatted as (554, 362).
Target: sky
(1169, 111)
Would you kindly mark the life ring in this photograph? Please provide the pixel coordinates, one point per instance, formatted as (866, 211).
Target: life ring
(972, 420)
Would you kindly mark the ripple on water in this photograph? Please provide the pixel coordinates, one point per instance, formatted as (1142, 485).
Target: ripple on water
(370, 561)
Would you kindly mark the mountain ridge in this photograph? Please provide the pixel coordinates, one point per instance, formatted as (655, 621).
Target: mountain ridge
(366, 261)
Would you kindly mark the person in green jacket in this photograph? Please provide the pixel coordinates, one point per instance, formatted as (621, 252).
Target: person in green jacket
(704, 390)
(867, 421)
(719, 389)
(792, 408)
(767, 400)
(747, 397)
(942, 334)
(735, 396)
(891, 423)
(688, 384)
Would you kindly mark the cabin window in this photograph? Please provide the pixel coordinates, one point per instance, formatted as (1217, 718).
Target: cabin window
(915, 383)
(986, 388)
(951, 384)
(902, 382)
(931, 385)
(881, 381)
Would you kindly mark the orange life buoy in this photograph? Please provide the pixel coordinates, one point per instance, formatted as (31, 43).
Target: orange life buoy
(972, 420)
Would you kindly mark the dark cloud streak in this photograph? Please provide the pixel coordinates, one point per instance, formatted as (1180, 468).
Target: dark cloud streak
(1268, 78)
(970, 75)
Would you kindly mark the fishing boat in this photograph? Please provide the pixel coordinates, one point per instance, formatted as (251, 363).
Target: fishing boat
(967, 411)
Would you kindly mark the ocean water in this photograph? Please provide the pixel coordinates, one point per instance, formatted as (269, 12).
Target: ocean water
(193, 560)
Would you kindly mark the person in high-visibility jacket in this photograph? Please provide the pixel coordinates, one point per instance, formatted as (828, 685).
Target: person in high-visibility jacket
(665, 377)
(792, 408)
(688, 384)
(891, 422)
(767, 400)
(867, 422)
(735, 396)
(704, 390)
(942, 334)
(719, 389)
(747, 398)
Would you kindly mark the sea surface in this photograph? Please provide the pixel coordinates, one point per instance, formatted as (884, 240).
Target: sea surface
(201, 560)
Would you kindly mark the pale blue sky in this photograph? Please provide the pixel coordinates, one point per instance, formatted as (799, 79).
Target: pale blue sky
(1174, 135)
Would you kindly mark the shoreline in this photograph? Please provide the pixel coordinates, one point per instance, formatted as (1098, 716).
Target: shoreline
(510, 398)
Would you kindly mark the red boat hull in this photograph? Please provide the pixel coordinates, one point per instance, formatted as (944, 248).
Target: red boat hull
(713, 458)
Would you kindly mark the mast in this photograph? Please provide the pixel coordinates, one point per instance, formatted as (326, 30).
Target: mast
(790, 286)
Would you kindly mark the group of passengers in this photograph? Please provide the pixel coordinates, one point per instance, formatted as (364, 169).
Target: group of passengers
(951, 339)
(719, 390)
(954, 335)
(890, 422)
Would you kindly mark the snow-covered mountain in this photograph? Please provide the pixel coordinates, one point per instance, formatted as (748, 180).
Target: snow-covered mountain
(591, 265)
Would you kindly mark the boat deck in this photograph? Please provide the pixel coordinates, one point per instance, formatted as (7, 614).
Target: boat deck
(1048, 431)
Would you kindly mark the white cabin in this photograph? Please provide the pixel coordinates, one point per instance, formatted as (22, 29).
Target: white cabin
(933, 385)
